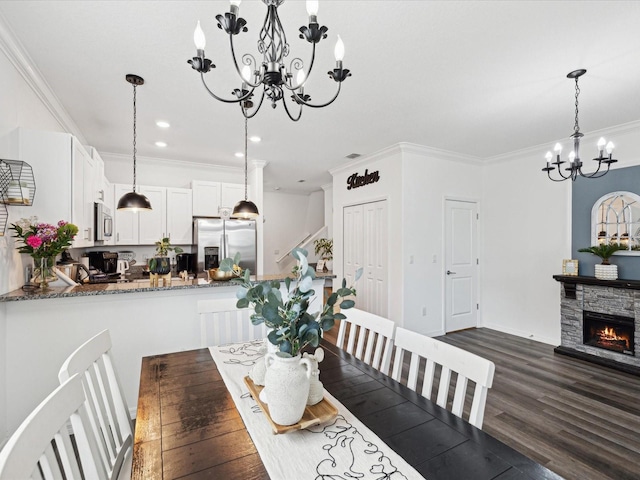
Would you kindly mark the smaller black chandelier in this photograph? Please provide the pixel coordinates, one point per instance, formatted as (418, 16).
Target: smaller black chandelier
(271, 73)
(575, 165)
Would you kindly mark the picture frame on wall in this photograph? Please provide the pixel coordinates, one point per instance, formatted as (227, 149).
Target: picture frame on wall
(570, 268)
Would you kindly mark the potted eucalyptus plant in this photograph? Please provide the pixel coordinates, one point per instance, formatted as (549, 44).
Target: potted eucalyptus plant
(285, 311)
(160, 264)
(605, 270)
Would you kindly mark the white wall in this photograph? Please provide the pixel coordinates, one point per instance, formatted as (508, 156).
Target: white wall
(430, 176)
(287, 218)
(20, 107)
(388, 163)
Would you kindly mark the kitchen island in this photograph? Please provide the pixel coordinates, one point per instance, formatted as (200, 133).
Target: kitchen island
(43, 328)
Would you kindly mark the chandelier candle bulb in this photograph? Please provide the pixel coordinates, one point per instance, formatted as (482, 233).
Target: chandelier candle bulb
(610, 148)
(601, 143)
(312, 10)
(572, 156)
(339, 51)
(198, 38)
(235, 6)
(549, 157)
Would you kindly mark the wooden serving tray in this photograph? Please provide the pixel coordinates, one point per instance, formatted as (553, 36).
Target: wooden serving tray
(321, 412)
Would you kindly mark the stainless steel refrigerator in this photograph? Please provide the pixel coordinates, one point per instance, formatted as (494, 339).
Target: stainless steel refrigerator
(216, 239)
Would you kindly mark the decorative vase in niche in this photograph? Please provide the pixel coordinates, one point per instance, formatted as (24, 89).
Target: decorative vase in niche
(606, 272)
(44, 271)
(287, 387)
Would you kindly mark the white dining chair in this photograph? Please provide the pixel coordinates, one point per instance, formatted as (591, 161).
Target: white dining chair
(372, 331)
(221, 322)
(466, 365)
(42, 447)
(109, 416)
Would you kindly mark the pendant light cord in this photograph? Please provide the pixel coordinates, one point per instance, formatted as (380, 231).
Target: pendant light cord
(576, 127)
(134, 137)
(246, 134)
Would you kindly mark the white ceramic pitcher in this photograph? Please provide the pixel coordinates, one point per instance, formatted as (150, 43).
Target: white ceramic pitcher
(287, 387)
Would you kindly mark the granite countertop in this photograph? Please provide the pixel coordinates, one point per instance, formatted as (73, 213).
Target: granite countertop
(136, 286)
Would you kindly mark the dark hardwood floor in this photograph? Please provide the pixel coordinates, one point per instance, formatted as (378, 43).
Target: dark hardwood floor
(578, 419)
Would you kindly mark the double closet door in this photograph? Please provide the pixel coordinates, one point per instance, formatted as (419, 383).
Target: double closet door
(366, 246)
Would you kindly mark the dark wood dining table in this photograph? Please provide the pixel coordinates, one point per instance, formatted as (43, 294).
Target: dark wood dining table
(187, 425)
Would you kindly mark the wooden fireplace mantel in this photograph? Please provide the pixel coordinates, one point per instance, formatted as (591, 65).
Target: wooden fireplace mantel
(580, 280)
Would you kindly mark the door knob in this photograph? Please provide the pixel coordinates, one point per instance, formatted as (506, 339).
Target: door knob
(449, 272)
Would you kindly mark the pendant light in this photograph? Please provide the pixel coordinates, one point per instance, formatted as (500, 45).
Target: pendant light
(134, 201)
(245, 208)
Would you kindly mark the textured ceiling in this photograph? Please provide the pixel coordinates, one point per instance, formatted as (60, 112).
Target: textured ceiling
(476, 78)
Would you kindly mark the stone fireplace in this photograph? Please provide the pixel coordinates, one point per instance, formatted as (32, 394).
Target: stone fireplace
(600, 321)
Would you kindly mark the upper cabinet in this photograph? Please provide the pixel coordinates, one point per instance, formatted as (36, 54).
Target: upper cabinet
(170, 217)
(65, 176)
(208, 197)
(179, 215)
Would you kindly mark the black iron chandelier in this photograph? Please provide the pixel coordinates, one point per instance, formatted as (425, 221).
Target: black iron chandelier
(575, 164)
(272, 73)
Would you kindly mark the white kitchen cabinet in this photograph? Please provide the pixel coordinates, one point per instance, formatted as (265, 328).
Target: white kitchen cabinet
(206, 198)
(179, 215)
(64, 177)
(145, 227)
(152, 226)
(231, 193)
(109, 202)
(125, 222)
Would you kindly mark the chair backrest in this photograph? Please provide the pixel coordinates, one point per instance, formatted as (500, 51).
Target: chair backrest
(466, 365)
(42, 448)
(371, 342)
(222, 322)
(108, 412)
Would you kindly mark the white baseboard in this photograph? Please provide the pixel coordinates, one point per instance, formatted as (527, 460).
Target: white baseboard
(522, 333)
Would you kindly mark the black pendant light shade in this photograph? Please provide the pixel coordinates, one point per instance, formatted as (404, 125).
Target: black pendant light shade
(245, 208)
(133, 201)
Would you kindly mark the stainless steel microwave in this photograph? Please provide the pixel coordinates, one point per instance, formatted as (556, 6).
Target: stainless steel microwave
(103, 223)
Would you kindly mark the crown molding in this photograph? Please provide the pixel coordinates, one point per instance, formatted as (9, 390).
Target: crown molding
(24, 64)
(439, 153)
(408, 148)
(172, 162)
(538, 150)
(326, 186)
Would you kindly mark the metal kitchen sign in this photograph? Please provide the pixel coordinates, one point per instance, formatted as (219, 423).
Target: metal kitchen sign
(355, 180)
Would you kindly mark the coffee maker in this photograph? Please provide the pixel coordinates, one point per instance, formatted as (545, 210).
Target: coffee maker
(106, 262)
(186, 261)
(211, 257)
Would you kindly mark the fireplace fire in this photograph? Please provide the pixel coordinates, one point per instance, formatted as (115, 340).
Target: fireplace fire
(610, 332)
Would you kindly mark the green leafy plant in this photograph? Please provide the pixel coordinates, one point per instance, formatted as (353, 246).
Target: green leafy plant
(603, 250)
(324, 248)
(164, 246)
(286, 312)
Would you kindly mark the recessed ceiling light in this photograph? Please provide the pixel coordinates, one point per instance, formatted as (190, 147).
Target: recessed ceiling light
(163, 124)
(239, 154)
(255, 139)
(276, 188)
(161, 144)
(301, 181)
(353, 155)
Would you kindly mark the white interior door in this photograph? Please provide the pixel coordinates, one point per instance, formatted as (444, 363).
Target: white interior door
(461, 264)
(366, 246)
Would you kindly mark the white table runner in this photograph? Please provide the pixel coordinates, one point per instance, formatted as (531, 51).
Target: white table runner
(344, 449)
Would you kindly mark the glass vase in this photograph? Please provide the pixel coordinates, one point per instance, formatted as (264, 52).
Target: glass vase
(44, 271)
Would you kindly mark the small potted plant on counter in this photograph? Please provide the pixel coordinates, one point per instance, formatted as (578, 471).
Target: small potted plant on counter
(160, 264)
(604, 271)
(324, 249)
